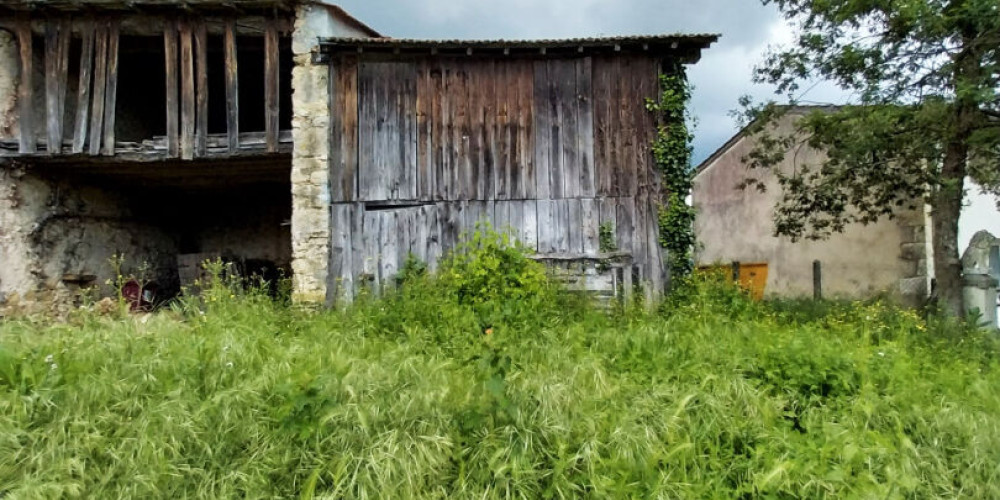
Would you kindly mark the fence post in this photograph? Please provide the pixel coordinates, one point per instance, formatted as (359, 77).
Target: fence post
(736, 271)
(817, 280)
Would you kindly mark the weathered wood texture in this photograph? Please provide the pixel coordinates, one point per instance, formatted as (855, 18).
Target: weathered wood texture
(548, 149)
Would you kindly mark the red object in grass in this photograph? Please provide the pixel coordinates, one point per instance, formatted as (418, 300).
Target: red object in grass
(139, 297)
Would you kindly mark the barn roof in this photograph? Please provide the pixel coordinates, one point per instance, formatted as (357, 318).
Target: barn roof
(120, 5)
(686, 46)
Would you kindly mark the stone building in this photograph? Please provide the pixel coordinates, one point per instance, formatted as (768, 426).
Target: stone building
(287, 135)
(732, 225)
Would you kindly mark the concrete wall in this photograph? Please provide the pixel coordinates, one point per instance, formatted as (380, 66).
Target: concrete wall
(310, 157)
(737, 225)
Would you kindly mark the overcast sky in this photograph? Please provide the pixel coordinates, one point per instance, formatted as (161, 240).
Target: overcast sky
(722, 76)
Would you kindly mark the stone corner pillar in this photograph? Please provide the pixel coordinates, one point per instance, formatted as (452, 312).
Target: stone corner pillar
(310, 166)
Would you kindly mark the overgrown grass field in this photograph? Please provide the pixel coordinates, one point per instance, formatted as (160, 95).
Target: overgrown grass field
(487, 382)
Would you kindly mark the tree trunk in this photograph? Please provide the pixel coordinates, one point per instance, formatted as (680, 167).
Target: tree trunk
(947, 264)
(947, 209)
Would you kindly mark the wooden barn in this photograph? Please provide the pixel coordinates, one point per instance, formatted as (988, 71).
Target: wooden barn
(287, 135)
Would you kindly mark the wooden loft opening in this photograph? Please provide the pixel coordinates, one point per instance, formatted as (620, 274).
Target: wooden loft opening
(150, 88)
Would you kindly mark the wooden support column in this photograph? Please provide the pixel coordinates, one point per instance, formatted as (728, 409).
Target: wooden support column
(201, 90)
(187, 92)
(111, 90)
(26, 141)
(83, 89)
(271, 85)
(232, 88)
(57, 36)
(170, 53)
(100, 80)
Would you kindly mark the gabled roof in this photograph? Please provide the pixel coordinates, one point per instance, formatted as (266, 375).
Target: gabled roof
(788, 110)
(687, 47)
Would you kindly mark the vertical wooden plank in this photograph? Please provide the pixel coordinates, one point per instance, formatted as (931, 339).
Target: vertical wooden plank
(563, 226)
(585, 126)
(366, 133)
(26, 116)
(201, 88)
(111, 91)
(370, 240)
(542, 128)
(515, 116)
(548, 239)
(433, 241)
(625, 223)
(489, 132)
(100, 87)
(602, 127)
(590, 213)
(170, 59)
(55, 81)
(408, 118)
(349, 142)
(358, 255)
(608, 214)
(187, 91)
(83, 87)
(574, 225)
(232, 87)
(626, 109)
(472, 138)
(438, 131)
(340, 284)
(425, 170)
(462, 168)
(568, 113)
(523, 179)
(271, 90)
(501, 173)
(529, 223)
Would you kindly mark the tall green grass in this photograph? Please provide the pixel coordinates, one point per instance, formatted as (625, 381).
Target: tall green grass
(424, 394)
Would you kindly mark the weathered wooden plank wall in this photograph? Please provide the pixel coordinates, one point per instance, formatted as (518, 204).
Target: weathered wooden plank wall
(548, 149)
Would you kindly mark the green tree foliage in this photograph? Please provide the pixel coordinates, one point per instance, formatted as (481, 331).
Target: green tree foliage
(923, 76)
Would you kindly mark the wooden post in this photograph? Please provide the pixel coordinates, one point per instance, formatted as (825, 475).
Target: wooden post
(111, 90)
(201, 91)
(187, 91)
(83, 89)
(271, 85)
(57, 37)
(736, 271)
(100, 80)
(232, 89)
(26, 141)
(170, 52)
(817, 280)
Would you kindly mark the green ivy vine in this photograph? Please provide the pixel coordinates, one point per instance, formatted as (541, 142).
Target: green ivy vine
(672, 154)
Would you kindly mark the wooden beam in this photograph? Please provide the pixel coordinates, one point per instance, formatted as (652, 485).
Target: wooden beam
(53, 121)
(201, 83)
(83, 88)
(271, 85)
(170, 53)
(111, 90)
(187, 91)
(26, 141)
(100, 80)
(232, 88)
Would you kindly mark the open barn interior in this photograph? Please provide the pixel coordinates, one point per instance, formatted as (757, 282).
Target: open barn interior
(163, 219)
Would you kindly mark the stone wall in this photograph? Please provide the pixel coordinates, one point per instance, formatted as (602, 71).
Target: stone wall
(310, 157)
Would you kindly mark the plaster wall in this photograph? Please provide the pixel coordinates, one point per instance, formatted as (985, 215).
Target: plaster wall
(57, 237)
(888, 256)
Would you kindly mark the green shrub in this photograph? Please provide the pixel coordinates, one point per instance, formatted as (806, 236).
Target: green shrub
(405, 396)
